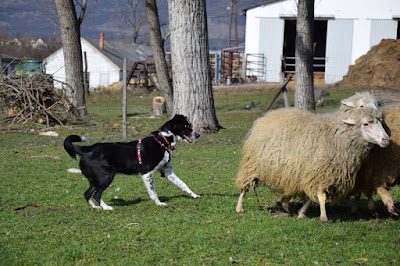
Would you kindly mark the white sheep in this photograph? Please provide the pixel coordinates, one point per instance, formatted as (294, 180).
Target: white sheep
(299, 154)
(381, 169)
(359, 100)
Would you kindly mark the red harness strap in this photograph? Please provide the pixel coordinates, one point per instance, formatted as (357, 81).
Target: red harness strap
(139, 146)
(166, 141)
(138, 153)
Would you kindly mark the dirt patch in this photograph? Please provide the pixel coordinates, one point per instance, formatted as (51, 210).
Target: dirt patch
(379, 68)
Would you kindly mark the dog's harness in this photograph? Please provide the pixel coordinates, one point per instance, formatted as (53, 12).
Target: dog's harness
(168, 147)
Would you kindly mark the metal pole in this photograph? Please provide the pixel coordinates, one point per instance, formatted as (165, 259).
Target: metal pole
(85, 76)
(1, 69)
(230, 25)
(235, 21)
(124, 101)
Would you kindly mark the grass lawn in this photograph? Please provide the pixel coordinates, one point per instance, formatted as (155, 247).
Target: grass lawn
(44, 218)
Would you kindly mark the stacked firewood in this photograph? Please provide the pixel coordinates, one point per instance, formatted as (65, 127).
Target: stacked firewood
(33, 99)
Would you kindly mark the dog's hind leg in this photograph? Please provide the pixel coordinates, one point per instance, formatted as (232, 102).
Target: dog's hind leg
(174, 179)
(151, 190)
(99, 191)
(88, 196)
(97, 197)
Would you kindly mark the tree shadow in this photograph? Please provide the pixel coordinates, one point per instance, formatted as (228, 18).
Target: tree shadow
(133, 114)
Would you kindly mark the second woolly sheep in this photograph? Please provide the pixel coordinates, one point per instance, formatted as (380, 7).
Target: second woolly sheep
(381, 169)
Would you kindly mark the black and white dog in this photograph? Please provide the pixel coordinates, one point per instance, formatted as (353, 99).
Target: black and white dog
(101, 161)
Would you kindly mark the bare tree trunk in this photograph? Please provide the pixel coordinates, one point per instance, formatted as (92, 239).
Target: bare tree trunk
(304, 97)
(193, 94)
(157, 45)
(71, 38)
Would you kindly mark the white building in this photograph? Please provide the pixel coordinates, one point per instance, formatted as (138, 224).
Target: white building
(104, 61)
(344, 30)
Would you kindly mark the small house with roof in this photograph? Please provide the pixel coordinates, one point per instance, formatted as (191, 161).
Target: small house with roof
(104, 61)
(9, 64)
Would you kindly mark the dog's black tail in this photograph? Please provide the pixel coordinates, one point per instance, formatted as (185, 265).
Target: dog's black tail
(72, 149)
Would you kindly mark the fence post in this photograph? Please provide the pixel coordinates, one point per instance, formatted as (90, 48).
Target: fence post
(124, 101)
(1, 69)
(85, 75)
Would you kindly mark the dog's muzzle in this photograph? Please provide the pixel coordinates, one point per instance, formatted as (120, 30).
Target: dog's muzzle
(194, 135)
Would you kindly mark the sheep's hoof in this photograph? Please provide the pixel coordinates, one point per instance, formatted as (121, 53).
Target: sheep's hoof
(394, 212)
(324, 220)
(239, 209)
(301, 216)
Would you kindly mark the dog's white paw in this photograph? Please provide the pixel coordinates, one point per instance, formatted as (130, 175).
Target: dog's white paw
(195, 196)
(105, 206)
(161, 203)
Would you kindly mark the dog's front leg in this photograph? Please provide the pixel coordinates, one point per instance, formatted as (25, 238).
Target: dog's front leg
(171, 176)
(149, 184)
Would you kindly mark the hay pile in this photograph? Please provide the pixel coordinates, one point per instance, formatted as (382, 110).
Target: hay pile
(379, 68)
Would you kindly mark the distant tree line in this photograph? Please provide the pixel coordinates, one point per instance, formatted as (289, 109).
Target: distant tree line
(21, 45)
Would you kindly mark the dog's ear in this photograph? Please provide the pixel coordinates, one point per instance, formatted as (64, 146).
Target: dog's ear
(167, 126)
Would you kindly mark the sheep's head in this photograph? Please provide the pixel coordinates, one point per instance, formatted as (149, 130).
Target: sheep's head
(369, 122)
(359, 100)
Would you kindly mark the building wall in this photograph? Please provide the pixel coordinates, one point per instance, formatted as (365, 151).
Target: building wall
(370, 22)
(102, 71)
(271, 43)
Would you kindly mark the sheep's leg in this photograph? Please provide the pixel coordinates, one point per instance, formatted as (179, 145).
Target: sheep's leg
(354, 208)
(322, 199)
(371, 204)
(303, 210)
(239, 206)
(284, 203)
(387, 200)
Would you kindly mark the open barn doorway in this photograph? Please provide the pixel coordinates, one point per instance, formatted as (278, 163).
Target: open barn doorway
(289, 44)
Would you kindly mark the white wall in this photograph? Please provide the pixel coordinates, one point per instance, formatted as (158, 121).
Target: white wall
(54, 65)
(102, 71)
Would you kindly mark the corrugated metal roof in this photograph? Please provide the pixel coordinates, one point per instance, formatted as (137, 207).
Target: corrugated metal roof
(116, 51)
(9, 57)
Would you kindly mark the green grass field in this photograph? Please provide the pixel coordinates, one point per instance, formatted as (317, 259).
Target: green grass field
(44, 218)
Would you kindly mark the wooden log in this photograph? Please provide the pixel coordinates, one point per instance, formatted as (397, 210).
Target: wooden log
(281, 88)
(159, 108)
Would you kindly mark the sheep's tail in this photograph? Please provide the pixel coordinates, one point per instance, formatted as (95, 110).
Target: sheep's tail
(248, 173)
(72, 149)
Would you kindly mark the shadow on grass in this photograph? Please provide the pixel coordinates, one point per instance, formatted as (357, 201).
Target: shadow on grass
(338, 212)
(122, 202)
(133, 115)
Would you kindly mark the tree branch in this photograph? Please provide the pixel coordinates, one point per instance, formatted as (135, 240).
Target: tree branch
(83, 10)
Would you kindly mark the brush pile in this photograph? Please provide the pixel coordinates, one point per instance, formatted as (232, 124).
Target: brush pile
(33, 99)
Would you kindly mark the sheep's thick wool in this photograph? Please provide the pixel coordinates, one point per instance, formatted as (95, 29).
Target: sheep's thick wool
(381, 168)
(296, 153)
